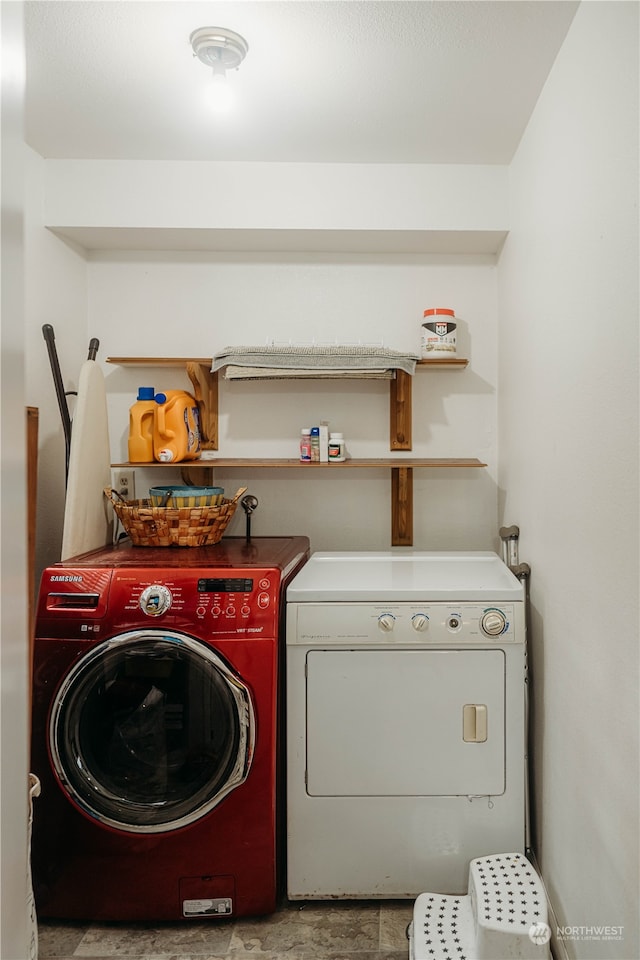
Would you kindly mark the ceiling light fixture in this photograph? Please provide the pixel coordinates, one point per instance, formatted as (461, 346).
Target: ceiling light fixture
(222, 50)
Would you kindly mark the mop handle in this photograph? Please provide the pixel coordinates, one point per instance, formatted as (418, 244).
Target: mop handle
(49, 336)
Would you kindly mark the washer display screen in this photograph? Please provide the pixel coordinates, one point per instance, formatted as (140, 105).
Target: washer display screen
(226, 585)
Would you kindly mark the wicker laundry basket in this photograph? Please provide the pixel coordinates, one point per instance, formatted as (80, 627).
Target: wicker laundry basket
(151, 526)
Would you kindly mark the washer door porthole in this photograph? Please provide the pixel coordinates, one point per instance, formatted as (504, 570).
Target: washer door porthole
(149, 731)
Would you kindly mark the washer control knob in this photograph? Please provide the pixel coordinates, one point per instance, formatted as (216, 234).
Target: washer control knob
(386, 622)
(420, 622)
(493, 623)
(155, 600)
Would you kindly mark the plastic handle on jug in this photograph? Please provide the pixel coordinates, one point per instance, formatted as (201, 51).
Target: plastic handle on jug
(162, 422)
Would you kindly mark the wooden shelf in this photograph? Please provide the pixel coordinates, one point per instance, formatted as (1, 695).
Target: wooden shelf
(279, 463)
(159, 361)
(183, 361)
(441, 362)
(205, 391)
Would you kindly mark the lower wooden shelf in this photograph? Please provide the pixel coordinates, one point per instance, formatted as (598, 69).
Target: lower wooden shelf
(401, 478)
(275, 463)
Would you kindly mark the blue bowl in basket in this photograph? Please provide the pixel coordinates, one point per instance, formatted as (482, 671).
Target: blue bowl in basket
(174, 495)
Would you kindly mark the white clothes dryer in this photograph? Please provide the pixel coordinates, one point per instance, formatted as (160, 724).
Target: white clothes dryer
(406, 753)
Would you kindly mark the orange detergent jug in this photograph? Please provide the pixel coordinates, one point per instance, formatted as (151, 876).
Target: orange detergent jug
(141, 416)
(176, 430)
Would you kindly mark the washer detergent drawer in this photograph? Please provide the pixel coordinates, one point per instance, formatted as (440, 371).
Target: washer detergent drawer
(405, 723)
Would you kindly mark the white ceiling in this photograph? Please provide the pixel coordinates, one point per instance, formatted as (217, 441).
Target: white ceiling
(424, 81)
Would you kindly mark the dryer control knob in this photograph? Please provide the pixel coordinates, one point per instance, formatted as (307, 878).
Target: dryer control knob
(155, 600)
(493, 623)
(386, 622)
(420, 622)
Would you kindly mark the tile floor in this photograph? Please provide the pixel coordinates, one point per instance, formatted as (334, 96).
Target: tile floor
(311, 930)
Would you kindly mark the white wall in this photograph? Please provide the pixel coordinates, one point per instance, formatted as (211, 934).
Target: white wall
(55, 294)
(172, 195)
(184, 305)
(14, 644)
(568, 415)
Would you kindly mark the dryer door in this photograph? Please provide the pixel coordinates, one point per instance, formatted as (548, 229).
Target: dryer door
(149, 731)
(394, 723)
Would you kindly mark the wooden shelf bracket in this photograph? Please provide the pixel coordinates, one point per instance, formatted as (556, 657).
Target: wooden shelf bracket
(401, 507)
(205, 391)
(400, 411)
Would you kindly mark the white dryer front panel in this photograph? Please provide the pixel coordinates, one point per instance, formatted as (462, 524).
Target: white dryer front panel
(405, 741)
(405, 723)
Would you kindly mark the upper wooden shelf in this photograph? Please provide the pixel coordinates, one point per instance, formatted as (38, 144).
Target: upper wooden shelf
(181, 361)
(158, 361)
(442, 362)
(205, 390)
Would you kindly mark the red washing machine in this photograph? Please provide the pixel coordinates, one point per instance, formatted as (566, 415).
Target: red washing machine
(156, 731)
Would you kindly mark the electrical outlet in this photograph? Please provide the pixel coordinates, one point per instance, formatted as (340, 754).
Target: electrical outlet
(124, 483)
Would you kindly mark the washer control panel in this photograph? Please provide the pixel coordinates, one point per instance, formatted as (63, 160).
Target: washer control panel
(405, 623)
(240, 602)
(210, 602)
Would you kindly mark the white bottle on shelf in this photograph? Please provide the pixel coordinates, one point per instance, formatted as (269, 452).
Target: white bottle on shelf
(337, 453)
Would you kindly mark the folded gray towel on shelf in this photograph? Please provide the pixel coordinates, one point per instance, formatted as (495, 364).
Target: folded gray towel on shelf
(233, 372)
(339, 358)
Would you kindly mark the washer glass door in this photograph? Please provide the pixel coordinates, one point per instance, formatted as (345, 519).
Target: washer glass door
(149, 731)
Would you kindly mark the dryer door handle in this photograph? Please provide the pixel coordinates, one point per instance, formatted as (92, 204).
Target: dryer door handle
(474, 722)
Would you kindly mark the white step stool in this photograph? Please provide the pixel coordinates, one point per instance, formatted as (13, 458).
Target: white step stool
(503, 916)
